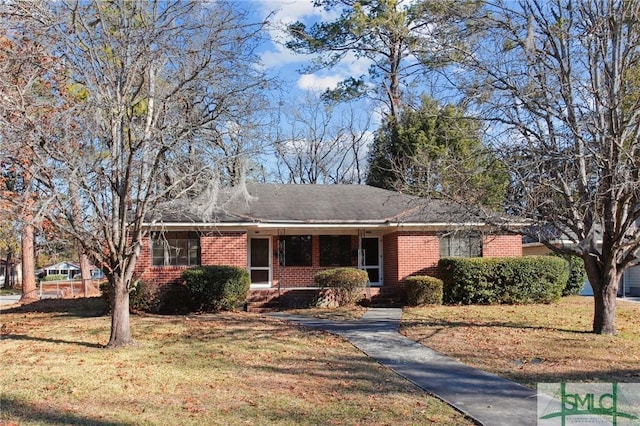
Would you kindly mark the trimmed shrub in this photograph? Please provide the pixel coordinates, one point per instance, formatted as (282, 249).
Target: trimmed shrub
(55, 277)
(141, 297)
(511, 280)
(340, 286)
(106, 292)
(423, 290)
(174, 299)
(577, 274)
(217, 288)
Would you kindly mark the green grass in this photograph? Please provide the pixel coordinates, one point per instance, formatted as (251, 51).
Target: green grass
(533, 343)
(227, 369)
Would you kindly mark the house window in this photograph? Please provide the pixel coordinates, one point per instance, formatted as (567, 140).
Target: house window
(297, 250)
(175, 248)
(461, 244)
(335, 250)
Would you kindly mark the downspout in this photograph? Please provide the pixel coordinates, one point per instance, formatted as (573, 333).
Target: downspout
(281, 258)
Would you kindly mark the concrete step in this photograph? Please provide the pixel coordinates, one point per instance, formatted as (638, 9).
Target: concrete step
(262, 307)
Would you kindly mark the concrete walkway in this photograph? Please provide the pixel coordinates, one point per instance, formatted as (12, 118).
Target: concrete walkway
(487, 398)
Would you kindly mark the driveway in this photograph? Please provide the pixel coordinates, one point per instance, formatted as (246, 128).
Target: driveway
(9, 299)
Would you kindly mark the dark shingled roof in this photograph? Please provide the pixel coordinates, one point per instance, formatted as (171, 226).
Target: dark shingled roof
(325, 204)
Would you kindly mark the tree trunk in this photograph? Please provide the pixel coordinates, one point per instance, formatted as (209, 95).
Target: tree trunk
(85, 265)
(8, 270)
(29, 288)
(605, 310)
(120, 326)
(604, 281)
(85, 272)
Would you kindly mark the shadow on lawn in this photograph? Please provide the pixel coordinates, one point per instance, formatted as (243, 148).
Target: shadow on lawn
(531, 379)
(81, 307)
(44, 339)
(15, 410)
(407, 324)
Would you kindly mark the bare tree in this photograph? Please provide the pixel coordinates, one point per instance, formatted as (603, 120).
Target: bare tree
(24, 101)
(559, 81)
(326, 143)
(147, 83)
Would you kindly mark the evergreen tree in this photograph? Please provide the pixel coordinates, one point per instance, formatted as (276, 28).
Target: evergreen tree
(436, 151)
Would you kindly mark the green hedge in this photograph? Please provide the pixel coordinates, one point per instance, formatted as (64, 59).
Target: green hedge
(510, 280)
(341, 286)
(141, 298)
(423, 290)
(216, 288)
(577, 274)
(55, 277)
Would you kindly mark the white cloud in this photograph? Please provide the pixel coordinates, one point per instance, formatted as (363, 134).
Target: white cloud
(275, 56)
(319, 83)
(288, 11)
(283, 13)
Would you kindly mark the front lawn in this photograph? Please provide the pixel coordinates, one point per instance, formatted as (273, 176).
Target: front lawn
(532, 343)
(227, 369)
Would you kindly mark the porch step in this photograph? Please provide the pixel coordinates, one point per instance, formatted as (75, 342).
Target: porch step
(262, 307)
(386, 298)
(273, 299)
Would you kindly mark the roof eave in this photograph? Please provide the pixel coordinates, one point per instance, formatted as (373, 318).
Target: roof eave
(319, 224)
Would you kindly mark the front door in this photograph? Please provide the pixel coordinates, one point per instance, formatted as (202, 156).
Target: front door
(370, 259)
(259, 261)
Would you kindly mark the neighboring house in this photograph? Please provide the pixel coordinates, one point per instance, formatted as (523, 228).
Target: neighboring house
(68, 269)
(629, 283)
(285, 234)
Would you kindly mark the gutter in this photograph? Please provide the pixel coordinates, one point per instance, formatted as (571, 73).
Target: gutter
(316, 225)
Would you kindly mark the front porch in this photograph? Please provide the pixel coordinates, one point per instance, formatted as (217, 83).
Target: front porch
(291, 260)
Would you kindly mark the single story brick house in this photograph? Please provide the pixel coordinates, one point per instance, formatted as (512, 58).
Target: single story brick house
(284, 234)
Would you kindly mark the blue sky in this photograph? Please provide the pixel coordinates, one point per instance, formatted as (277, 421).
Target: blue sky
(285, 63)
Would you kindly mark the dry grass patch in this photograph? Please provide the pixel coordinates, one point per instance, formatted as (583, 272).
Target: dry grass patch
(227, 369)
(533, 343)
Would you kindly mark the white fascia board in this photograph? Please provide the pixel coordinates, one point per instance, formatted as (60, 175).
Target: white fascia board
(317, 225)
(447, 225)
(194, 225)
(556, 243)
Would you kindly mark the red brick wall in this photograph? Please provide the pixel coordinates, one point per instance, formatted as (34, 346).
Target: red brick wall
(144, 260)
(414, 253)
(390, 259)
(409, 253)
(502, 246)
(226, 248)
